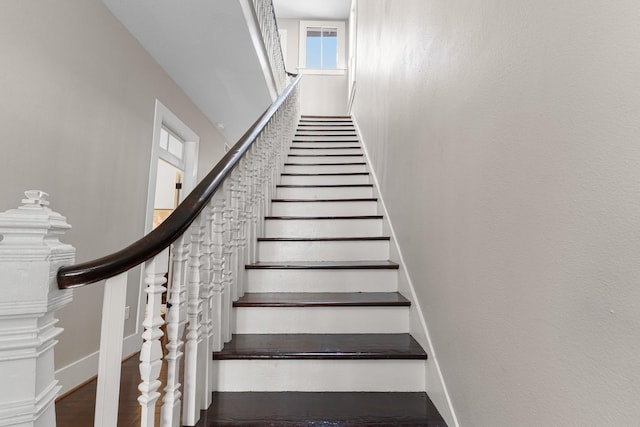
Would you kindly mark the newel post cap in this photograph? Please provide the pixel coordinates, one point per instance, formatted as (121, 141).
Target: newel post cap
(33, 224)
(30, 255)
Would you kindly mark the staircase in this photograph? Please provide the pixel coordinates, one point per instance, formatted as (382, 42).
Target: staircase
(321, 334)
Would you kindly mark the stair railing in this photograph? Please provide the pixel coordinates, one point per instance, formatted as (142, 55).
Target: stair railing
(266, 19)
(202, 247)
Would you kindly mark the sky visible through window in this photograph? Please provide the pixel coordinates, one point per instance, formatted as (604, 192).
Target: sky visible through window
(322, 47)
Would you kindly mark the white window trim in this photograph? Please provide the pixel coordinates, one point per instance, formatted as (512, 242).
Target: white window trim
(302, 47)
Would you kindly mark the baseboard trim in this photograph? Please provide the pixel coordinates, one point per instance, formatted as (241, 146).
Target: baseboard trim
(435, 385)
(83, 370)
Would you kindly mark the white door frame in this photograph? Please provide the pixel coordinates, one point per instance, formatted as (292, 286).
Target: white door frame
(164, 116)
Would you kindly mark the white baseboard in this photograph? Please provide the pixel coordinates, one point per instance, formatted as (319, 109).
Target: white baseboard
(82, 370)
(435, 385)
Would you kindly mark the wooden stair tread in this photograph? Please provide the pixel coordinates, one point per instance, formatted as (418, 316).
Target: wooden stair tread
(321, 346)
(327, 164)
(325, 174)
(323, 299)
(326, 155)
(326, 134)
(324, 239)
(345, 126)
(303, 409)
(346, 147)
(364, 199)
(324, 265)
(321, 116)
(293, 218)
(324, 185)
(311, 141)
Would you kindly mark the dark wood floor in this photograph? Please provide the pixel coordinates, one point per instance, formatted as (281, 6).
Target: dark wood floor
(78, 408)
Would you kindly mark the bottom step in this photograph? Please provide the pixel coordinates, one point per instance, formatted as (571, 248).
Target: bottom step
(321, 409)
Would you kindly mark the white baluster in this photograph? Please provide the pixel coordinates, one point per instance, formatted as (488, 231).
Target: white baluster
(264, 172)
(239, 174)
(176, 320)
(151, 352)
(228, 252)
(220, 312)
(192, 387)
(235, 234)
(252, 208)
(206, 297)
(243, 231)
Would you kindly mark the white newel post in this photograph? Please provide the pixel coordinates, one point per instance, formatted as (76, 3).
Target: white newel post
(30, 255)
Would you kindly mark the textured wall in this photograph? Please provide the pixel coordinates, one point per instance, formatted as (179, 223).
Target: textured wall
(77, 107)
(506, 137)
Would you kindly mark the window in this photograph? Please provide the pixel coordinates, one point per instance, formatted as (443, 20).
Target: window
(171, 143)
(322, 47)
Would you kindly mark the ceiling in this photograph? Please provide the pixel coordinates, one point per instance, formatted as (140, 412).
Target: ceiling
(197, 42)
(206, 48)
(336, 10)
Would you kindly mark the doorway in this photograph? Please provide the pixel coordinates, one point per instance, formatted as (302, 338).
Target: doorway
(170, 169)
(175, 144)
(174, 160)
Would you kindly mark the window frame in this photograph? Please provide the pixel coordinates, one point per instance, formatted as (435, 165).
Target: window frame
(166, 155)
(341, 49)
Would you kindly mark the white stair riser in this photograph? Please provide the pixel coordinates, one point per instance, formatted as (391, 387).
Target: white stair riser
(324, 208)
(309, 150)
(340, 138)
(332, 144)
(322, 127)
(316, 280)
(316, 119)
(324, 180)
(325, 159)
(326, 133)
(328, 123)
(368, 250)
(319, 375)
(314, 169)
(323, 227)
(321, 320)
(324, 193)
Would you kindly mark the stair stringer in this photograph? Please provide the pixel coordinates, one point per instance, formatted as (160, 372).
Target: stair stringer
(435, 385)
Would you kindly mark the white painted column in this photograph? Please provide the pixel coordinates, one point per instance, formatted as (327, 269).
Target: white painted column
(30, 255)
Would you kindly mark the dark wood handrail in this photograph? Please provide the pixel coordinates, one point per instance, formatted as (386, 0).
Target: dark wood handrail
(178, 222)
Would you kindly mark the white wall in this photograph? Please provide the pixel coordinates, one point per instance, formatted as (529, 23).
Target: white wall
(76, 117)
(323, 95)
(293, 34)
(506, 139)
(319, 94)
